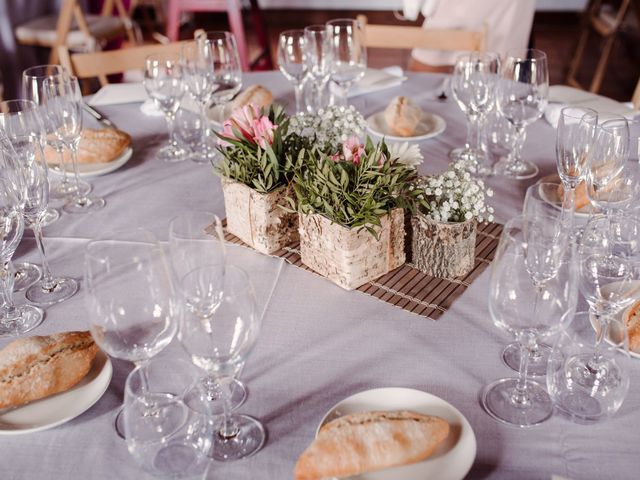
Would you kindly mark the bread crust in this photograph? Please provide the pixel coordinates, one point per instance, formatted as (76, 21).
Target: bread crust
(632, 322)
(402, 116)
(370, 441)
(96, 146)
(258, 95)
(36, 367)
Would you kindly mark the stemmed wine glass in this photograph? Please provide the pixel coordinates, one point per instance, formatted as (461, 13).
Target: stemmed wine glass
(292, 61)
(14, 320)
(473, 86)
(33, 87)
(129, 298)
(521, 97)
(63, 107)
(349, 54)
(163, 83)
(520, 401)
(218, 330)
(20, 120)
(319, 58)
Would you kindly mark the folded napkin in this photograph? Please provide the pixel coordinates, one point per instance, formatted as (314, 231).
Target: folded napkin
(375, 80)
(561, 96)
(150, 109)
(117, 93)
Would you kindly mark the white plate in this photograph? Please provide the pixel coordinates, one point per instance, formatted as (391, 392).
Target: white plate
(451, 461)
(58, 409)
(430, 126)
(96, 169)
(556, 202)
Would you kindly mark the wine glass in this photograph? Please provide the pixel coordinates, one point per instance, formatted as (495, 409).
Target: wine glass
(21, 122)
(521, 96)
(14, 320)
(586, 392)
(473, 87)
(349, 55)
(528, 312)
(219, 332)
(188, 130)
(32, 84)
(129, 298)
(319, 57)
(163, 83)
(292, 61)
(63, 110)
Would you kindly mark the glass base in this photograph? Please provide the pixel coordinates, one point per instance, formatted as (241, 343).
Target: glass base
(497, 400)
(249, 437)
(84, 205)
(537, 363)
(517, 170)
(23, 318)
(50, 216)
(63, 289)
(172, 153)
(25, 275)
(118, 423)
(61, 190)
(205, 396)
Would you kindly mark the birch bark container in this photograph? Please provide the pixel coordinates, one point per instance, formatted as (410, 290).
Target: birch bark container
(443, 249)
(351, 257)
(256, 219)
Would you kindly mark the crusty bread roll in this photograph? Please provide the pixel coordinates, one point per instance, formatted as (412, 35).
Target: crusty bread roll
(256, 94)
(632, 321)
(96, 146)
(582, 200)
(402, 116)
(36, 367)
(369, 441)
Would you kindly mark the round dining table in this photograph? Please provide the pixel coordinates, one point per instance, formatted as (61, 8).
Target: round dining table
(319, 343)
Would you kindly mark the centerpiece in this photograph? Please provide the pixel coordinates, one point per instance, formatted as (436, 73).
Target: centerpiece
(257, 152)
(444, 227)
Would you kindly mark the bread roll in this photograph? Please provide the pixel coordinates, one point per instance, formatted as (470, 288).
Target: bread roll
(369, 441)
(256, 94)
(96, 146)
(402, 116)
(632, 321)
(36, 367)
(582, 199)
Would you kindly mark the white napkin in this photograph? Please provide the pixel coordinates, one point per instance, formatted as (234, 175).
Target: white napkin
(375, 80)
(561, 96)
(117, 93)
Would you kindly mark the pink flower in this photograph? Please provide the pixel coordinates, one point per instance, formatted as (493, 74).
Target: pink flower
(254, 128)
(263, 131)
(352, 150)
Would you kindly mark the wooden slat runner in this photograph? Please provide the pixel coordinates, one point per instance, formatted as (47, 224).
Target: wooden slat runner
(408, 288)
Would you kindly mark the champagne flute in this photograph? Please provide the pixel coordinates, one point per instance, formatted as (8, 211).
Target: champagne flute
(319, 58)
(129, 298)
(349, 54)
(20, 120)
(163, 83)
(292, 61)
(521, 97)
(63, 107)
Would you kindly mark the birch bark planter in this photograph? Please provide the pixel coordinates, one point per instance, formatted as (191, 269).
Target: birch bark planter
(256, 219)
(348, 257)
(443, 249)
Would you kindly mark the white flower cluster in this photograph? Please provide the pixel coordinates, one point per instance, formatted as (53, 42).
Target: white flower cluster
(331, 126)
(406, 153)
(455, 196)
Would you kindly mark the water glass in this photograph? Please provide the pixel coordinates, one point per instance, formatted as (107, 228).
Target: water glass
(188, 131)
(292, 61)
(348, 53)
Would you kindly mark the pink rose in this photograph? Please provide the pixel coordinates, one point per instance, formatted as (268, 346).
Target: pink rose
(352, 150)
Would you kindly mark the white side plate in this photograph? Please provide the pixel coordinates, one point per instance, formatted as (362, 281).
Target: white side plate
(58, 409)
(451, 461)
(96, 169)
(430, 125)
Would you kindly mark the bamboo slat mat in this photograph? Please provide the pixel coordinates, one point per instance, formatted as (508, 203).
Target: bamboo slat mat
(408, 288)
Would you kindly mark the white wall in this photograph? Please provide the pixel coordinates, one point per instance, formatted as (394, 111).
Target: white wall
(542, 5)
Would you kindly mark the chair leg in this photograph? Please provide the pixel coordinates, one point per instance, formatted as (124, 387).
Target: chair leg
(602, 65)
(173, 20)
(235, 22)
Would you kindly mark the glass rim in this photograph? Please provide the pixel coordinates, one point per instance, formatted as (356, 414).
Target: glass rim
(316, 28)
(526, 54)
(292, 32)
(52, 66)
(17, 101)
(162, 56)
(344, 22)
(580, 112)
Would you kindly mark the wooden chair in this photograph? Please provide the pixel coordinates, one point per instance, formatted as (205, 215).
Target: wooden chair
(405, 37)
(101, 64)
(75, 29)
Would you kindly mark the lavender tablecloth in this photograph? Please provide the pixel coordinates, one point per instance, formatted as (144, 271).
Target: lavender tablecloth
(319, 344)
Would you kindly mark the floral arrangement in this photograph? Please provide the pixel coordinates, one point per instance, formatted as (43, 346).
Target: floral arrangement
(455, 196)
(257, 148)
(354, 184)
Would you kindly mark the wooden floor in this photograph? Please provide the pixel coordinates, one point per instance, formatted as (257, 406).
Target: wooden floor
(555, 33)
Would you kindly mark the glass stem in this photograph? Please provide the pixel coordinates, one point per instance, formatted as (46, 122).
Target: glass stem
(6, 291)
(473, 134)
(171, 121)
(601, 332)
(229, 428)
(568, 207)
(47, 279)
(521, 135)
(520, 394)
(80, 199)
(204, 121)
(63, 166)
(297, 88)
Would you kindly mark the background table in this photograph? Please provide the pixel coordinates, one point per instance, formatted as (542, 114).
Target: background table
(319, 344)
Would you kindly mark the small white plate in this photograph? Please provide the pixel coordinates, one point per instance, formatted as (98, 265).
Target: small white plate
(58, 409)
(96, 169)
(430, 125)
(556, 202)
(451, 461)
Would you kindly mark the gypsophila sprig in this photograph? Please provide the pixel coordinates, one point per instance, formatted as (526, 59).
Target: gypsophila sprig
(353, 185)
(257, 148)
(330, 126)
(455, 196)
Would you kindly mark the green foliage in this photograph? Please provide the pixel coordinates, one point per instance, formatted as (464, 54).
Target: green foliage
(354, 195)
